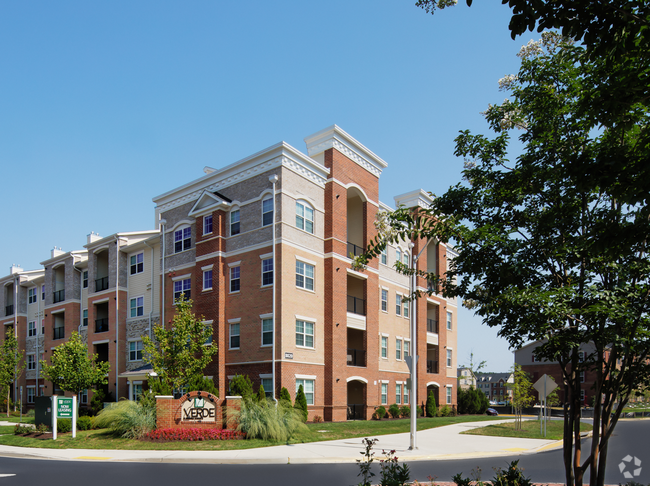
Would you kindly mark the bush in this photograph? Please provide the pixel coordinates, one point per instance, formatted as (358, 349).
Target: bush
(22, 429)
(444, 411)
(261, 395)
(98, 399)
(393, 410)
(242, 386)
(431, 407)
(301, 403)
(42, 428)
(285, 396)
(405, 411)
(318, 419)
(472, 401)
(201, 383)
(513, 476)
(126, 419)
(63, 425)
(258, 421)
(192, 434)
(84, 423)
(380, 413)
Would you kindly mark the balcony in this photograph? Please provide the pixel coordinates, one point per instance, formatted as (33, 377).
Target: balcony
(432, 366)
(356, 305)
(9, 310)
(354, 250)
(432, 325)
(101, 284)
(59, 333)
(357, 357)
(59, 296)
(101, 325)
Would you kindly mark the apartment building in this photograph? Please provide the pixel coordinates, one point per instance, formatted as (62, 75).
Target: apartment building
(496, 386)
(263, 247)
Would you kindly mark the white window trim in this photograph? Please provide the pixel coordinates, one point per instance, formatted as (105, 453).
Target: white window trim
(135, 340)
(207, 267)
(180, 227)
(230, 268)
(381, 290)
(203, 279)
(235, 264)
(306, 321)
(232, 210)
(304, 287)
(262, 285)
(136, 304)
(306, 203)
(181, 277)
(208, 232)
(230, 334)
(262, 319)
(266, 197)
(27, 361)
(381, 339)
(266, 255)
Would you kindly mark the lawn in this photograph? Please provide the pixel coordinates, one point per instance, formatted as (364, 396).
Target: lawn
(554, 430)
(101, 439)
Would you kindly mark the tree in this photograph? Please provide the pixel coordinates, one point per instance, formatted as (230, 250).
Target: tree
(553, 247)
(521, 393)
(261, 395)
(72, 370)
(11, 363)
(431, 407)
(301, 403)
(285, 396)
(242, 386)
(180, 353)
(202, 383)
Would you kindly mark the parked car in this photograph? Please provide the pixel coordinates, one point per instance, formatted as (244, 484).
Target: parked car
(492, 412)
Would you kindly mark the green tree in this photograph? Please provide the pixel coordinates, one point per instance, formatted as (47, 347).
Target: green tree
(72, 370)
(301, 403)
(11, 363)
(553, 247)
(285, 396)
(203, 383)
(241, 386)
(261, 395)
(522, 397)
(180, 353)
(431, 407)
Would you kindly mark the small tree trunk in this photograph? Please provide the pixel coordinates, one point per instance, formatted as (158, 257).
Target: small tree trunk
(577, 457)
(568, 436)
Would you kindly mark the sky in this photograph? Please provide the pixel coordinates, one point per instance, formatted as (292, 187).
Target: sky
(105, 105)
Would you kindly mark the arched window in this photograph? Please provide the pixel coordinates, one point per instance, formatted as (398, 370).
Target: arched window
(304, 216)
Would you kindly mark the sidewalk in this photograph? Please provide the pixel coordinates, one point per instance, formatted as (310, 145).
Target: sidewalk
(433, 444)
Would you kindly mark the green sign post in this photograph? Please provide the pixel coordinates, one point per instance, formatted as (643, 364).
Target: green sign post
(64, 408)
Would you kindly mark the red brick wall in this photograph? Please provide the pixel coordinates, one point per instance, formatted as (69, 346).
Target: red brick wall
(168, 412)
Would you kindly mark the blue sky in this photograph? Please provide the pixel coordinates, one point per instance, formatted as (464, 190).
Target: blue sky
(104, 105)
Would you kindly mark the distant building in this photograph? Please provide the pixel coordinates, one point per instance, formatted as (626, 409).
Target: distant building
(466, 378)
(495, 386)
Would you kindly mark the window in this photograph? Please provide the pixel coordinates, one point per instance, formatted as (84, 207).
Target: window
(31, 328)
(384, 347)
(398, 255)
(448, 395)
(182, 287)
(582, 396)
(42, 326)
(267, 212)
(137, 306)
(449, 321)
(308, 388)
(267, 384)
(182, 239)
(85, 317)
(85, 279)
(384, 393)
(398, 349)
(207, 224)
(398, 304)
(267, 271)
(406, 258)
(581, 356)
(208, 341)
(304, 275)
(406, 395)
(267, 333)
(234, 279)
(137, 263)
(398, 393)
(406, 308)
(234, 222)
(384, 300)
(305, 334)
(135, 351)
(30, 394)
(384, 256)
(207, 280)
(137, 391)
(449, 358)
(582, 377)
(83, 397)
(31, 361)
(42, 292)
(31, 294)
(234, 336)
(407, 351)
(304, 217)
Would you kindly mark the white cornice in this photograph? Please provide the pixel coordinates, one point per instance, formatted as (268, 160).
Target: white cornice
(419, 198)
(336, 137)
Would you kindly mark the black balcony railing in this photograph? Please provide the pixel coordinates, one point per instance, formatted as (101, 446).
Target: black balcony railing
(432, 366)
(59, 296)
(9, 310)
(432, 325)
(101, 284)
(356, 357)
(101, 325)
(59, 333)
(356, 305)
(354, 250)
(356, 411)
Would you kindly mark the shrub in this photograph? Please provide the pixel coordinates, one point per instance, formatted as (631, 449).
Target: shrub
(261, 395)
(84, 423)
(472, 401)
(285, 396)
(193, 434)
(513, 476)
(318, 419)
(258, 421)
(393, 410)
(405, 411)
(126, 419)
(444, 411)
(392, 473)
(22, 429)
(380, 412)
(98, 399)
(431, 407)
(242, 386)
(301, 403)
(63, 425)
(42, 428)
(202, 383)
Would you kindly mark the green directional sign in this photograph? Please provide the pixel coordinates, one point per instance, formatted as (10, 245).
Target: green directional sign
(64, 408)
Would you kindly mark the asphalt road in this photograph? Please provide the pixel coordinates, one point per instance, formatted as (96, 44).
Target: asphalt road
(631, 439)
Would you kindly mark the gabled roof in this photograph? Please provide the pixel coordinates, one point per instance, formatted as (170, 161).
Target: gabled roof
(208, 202)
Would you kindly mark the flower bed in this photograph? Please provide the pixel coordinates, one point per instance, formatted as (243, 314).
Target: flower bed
(193, 434)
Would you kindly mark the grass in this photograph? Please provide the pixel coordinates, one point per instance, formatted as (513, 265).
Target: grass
(102, 439)
(6, 429)
(554, 430)
(15, 420)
